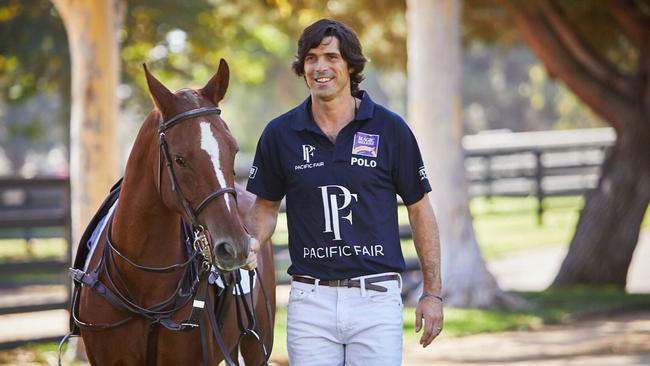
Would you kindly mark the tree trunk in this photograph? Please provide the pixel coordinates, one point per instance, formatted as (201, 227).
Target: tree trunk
(92, 28)
(608, 230)
(434, 115)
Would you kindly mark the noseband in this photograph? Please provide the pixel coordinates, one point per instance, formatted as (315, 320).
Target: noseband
(163, 153)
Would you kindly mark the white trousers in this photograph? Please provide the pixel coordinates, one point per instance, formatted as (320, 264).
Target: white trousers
(333, 326)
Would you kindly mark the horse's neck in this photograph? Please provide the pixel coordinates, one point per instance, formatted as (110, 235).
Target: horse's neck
(143, 227)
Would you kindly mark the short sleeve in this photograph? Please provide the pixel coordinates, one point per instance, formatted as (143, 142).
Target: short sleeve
(410, 176)
(266, 177)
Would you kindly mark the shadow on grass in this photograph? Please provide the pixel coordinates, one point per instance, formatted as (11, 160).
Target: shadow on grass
(552, 306)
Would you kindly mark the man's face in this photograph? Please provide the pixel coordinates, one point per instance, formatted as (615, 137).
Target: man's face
(326, 72)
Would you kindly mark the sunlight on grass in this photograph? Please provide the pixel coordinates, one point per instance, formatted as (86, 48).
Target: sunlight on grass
(19, 249)
(280, 335)
(462, 322)
(505, 225)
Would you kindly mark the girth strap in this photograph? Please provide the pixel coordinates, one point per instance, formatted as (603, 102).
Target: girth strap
(152, 344)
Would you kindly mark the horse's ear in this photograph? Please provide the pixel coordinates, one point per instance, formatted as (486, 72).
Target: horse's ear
(216, 88)
(161, 96)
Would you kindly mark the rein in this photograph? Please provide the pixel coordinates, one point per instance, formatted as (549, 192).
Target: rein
(192, 285)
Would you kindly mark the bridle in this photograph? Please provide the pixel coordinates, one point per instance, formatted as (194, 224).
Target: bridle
(163, 153)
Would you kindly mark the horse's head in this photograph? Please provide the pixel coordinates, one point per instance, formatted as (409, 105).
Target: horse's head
(195, 166)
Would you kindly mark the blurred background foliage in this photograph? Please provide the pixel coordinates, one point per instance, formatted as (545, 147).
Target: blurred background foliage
(503, 85)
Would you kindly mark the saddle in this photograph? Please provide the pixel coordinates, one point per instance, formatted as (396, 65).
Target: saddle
(83, 250)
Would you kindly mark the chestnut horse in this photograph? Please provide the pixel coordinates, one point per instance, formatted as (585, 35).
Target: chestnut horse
(147, 301)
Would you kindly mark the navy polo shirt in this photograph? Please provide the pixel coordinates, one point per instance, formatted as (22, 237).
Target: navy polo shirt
(340, 197)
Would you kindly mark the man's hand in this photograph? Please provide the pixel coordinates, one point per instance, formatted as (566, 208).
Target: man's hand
(251, 261)
(429, 312)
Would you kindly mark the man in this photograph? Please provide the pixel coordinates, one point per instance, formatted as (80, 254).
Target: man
(340, 160)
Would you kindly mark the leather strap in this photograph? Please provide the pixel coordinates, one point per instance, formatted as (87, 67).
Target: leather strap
(165, 125)
(349, 283)
(152, 344)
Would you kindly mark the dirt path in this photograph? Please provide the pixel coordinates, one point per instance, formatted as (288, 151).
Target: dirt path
(618, 340)
(534, 270)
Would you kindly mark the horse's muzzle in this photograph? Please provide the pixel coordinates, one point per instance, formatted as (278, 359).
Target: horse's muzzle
(229, 256)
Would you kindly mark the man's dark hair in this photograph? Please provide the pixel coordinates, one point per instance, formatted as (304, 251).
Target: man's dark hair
(349, 46)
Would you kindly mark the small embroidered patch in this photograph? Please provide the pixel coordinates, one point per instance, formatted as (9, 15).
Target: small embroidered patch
(365, 144)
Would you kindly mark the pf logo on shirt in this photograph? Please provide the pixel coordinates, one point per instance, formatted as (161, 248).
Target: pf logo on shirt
(332, 205)
(307, 152)
(423, 173)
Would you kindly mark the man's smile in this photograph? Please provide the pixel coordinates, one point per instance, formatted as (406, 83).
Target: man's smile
(323, 79)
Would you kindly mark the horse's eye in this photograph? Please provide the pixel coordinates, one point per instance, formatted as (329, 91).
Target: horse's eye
(180, 160)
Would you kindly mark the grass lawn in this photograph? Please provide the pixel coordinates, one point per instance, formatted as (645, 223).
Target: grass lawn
(503, 226)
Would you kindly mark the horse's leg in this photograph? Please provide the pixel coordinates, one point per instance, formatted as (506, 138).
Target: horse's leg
(120, 346)
(265, 303)
(101, 345)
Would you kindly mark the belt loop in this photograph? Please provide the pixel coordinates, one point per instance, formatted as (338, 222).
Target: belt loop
(362, 285)
(316, 284)
(399, 281)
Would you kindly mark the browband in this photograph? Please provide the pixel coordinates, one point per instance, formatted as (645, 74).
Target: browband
(165, 125)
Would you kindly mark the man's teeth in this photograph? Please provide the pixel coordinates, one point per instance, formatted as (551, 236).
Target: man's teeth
(323, 80)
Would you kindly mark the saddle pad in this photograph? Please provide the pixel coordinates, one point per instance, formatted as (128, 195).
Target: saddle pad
(81, 258)
(91, 244)
(244, 281)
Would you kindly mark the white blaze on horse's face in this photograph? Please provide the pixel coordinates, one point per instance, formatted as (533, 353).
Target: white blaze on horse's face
(210, 144)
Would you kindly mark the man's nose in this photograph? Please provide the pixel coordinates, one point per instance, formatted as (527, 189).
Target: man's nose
(320, 64)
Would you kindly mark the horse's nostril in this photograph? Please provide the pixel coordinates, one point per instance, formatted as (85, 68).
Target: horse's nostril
(225, 251)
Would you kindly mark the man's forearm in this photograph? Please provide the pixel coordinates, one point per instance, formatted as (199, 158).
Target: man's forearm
(427, 243)
(262, 218)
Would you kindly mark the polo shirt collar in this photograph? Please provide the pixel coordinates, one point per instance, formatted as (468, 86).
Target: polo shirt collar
(304, 121)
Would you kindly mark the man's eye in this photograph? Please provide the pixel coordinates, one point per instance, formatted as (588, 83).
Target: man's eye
(180, 160)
